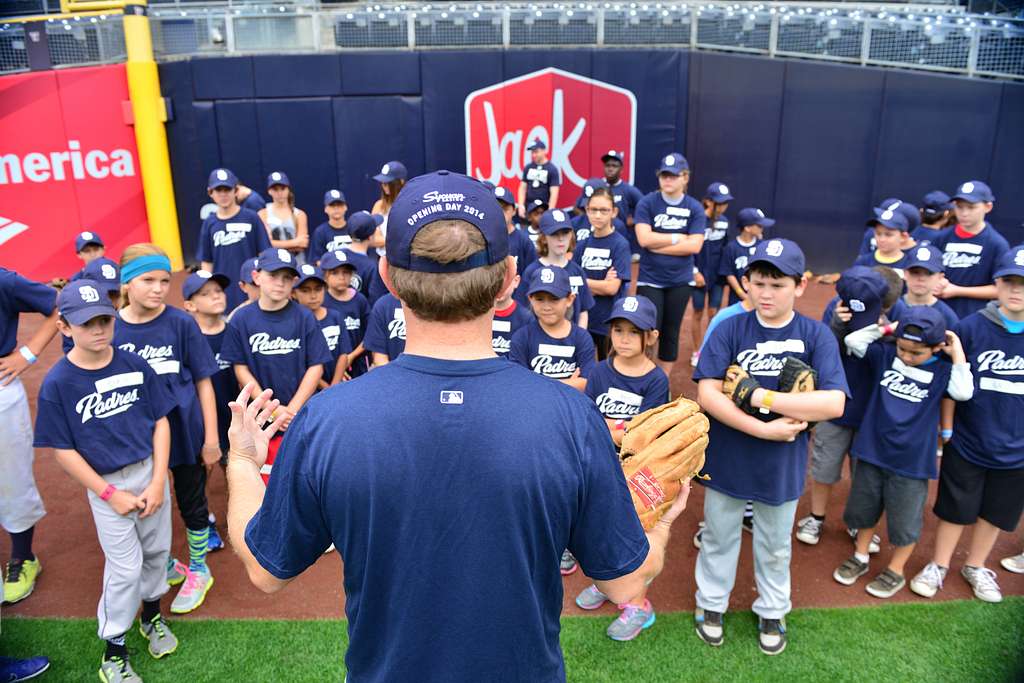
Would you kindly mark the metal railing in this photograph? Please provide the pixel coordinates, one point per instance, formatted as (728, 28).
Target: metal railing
(930, 37)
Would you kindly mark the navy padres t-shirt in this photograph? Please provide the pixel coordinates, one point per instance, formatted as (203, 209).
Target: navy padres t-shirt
(225, 385)
(709, 259)
(684, 217)
(596, 256)
(535, 349)
(988, 429)
(970, 261)
(385, 329)
(277, 346)
(734, 262)
(621, 397)
(539, 179)
(522, 248)
(482, 490)
(228, 242)
(107, 415)
(741, 465)
(179, 355)
(506, 323)
(327, 238)
(338, 340)
(19, 295)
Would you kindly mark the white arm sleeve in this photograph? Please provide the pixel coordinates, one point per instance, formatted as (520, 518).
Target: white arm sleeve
(857, 342)
(961, 382)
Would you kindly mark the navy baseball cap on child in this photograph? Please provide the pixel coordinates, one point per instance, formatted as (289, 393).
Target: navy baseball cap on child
(911, 213)
(588, 190)
(554, 221)
(974, 191)
(393, 170)
(785, 255)
(310, 272)
(638, 310)
(82, 300)
(194, 282)
(105, 273)
(550, 279)
(278, 178)
(362, 224)
(718, 193)
(862, 290)
(245, 272)
(221, 177)
(276, 259)
(927, 257)
(889, 217)
(935, 203)
(753, 216)
(335, 259)
(85, 238)
(444, 195)
(504, 195)
(1012, 263)
(334, 197)
(537, 144)
(931, 326)
(673, 163)
(613, 154)
(537, 204)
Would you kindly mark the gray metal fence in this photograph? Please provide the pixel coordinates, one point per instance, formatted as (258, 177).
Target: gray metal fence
(930, 37)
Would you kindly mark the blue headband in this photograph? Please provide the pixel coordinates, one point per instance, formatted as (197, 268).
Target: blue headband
(144, 264)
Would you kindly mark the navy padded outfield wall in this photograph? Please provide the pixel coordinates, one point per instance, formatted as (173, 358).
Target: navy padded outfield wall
(815, 145)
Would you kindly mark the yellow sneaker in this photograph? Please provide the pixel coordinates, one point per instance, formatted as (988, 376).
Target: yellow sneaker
(21, 579)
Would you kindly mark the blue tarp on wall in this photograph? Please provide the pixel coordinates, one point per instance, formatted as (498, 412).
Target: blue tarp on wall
(813, 144)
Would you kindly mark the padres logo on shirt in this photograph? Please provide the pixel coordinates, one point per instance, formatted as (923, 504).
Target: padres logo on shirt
(396, 326)
(107, 401)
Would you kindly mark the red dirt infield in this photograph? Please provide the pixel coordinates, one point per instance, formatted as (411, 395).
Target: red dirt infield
(69, 586)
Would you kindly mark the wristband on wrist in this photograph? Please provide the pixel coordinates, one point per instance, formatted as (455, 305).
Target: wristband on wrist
(620, 424)
(675, 238)
(767, 400)
(108, 492)
(947, 434)
(28, 355)
(887, 330)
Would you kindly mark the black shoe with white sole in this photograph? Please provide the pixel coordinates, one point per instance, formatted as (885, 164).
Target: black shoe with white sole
(709, 626)
(771, 636)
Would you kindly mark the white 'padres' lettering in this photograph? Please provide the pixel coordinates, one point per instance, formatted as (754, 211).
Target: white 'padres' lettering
(547, 366)
(666, 222)
(596, 259)
(224, 238)
(352, 323)
(756, 363)
(894, 382)
(997, 362)
(99, 406)
(501, 345)
(396, 326)
(262, 343)
(331, 334)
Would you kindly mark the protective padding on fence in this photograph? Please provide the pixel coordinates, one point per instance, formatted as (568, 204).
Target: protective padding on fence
(815, 145)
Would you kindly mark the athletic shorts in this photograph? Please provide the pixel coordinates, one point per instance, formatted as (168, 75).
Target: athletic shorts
(713, 294)
(829, 445)
(875, 490)
(968, 491)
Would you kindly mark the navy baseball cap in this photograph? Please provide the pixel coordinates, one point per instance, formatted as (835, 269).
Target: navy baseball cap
(393, 170)
(334, 197)
(588, 190)
(613, 154)
(105, 273)
(444, 195)
(537, 204)
(926, 256)
(785, 255)
(85, 238)
(554, 221)
(718, 193)
(278, 178)
(674, 163)
(310, 272)
(221, 177)
(638, 310)
(335, 259)
(862, 290)
(276, 259)
(890, 217)
(362, 224)
(936, 202)
(912, 214)
(245, 272)
(751, 216)
(931, 323)
(194, 282)
(504, 195)
(82, 300)
(550, 279)
(537, 144)
(1012, 263)
(974, 191)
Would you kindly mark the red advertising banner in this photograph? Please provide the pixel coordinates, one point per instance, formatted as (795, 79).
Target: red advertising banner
(68, 163)
(579, 119)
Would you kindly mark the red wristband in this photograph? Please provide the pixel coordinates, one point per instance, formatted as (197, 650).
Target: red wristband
(108, 492)
(620, 424)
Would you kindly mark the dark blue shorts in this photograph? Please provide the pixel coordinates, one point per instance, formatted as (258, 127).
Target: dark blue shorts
(713, 293)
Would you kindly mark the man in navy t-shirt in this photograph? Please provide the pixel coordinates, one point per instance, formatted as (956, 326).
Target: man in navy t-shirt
(465, 486)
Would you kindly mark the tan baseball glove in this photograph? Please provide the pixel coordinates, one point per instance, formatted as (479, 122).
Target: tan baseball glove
(661, 449)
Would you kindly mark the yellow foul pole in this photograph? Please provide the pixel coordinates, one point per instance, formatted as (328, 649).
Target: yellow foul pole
(150, 114)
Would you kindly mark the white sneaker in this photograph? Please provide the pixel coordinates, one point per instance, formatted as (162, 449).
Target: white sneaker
(873, 547)
(929, 580)
(1013, 564)
(983, 581)
(808, 530)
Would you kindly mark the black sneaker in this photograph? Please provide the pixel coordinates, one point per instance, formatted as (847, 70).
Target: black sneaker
(709, 626)
(849, 571)
(748, 524)
(771, 637)
(698, 537)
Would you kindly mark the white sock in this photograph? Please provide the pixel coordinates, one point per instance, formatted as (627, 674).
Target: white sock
(862, 558)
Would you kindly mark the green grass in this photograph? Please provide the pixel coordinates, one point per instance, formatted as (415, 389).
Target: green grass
(949, 641)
